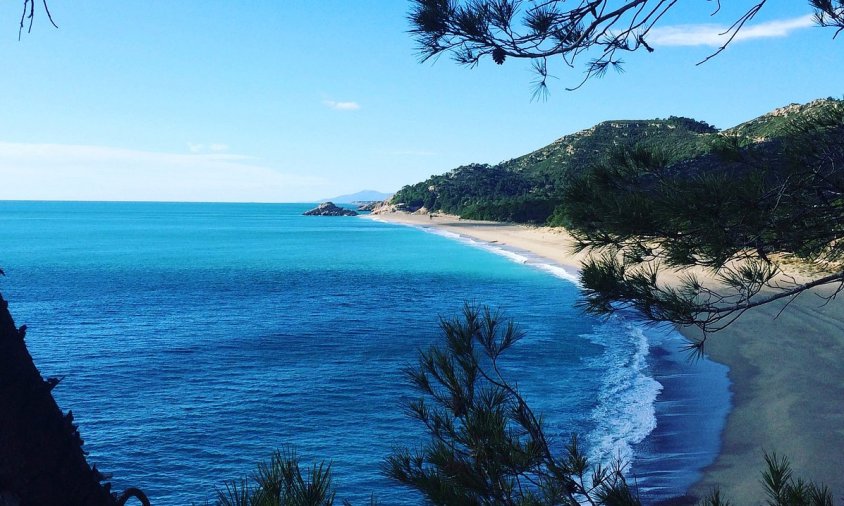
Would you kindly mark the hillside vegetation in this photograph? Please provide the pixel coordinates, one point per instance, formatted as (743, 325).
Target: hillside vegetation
(530, 188)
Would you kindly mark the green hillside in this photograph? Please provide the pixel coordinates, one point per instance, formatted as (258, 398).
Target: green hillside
(777, 122)
(528, 188)
(679, 137)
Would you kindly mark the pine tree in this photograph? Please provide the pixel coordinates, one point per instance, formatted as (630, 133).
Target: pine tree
(486, 446)
(600, 31)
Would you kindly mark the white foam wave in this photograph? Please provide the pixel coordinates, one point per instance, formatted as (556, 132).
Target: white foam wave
(625, 413)
(519, 257)
(560, 272)
(446, 233)
(510, 255)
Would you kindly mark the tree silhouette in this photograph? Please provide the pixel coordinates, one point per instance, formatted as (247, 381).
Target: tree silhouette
(600, 30)
(41, 456)
(29, 14)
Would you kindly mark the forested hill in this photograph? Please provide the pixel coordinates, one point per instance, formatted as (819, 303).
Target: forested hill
(527, 189)
(678, 136)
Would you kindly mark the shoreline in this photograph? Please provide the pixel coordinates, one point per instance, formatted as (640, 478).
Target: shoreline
(786, 374)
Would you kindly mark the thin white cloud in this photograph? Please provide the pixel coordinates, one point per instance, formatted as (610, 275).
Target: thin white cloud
(716, 36)
(341, 106)
(202, 148)
(79, 172)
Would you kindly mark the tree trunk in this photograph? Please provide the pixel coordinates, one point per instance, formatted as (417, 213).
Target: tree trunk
(41, 456)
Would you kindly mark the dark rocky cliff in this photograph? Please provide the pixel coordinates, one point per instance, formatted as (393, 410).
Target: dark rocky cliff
(41, 456)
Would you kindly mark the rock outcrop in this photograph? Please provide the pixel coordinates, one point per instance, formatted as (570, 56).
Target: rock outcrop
(329, 209)
(387, 207)
(370, 206)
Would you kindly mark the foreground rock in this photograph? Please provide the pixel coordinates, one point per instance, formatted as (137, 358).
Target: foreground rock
(329, 209)
(41, 455)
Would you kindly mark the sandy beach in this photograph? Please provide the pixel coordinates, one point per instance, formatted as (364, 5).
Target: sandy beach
(787, 373)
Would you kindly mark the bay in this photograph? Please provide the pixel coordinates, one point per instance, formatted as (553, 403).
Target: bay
(194, 339)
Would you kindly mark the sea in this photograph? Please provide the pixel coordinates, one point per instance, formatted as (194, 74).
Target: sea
(193, 340)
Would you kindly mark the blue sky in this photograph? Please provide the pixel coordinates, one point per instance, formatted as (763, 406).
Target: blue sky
(283, 101)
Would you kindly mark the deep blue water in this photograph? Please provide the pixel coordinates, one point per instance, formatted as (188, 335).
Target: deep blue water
(194, 339)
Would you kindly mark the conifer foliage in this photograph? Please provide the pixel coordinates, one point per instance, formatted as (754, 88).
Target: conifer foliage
(599, 31)
(741, 212)
(281, 482)
(486, 446)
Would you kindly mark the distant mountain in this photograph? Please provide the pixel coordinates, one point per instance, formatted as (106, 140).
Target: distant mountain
(527, 188)
(361, 196)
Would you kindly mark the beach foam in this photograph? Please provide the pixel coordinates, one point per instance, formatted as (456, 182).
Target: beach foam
(513, 254)
(625, 414)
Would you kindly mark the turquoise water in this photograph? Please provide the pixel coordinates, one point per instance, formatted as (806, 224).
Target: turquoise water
(196, 338)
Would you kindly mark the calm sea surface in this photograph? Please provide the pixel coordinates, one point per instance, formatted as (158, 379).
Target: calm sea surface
(194, 339)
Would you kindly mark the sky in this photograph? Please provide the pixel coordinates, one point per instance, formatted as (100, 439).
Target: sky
(297, 100)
